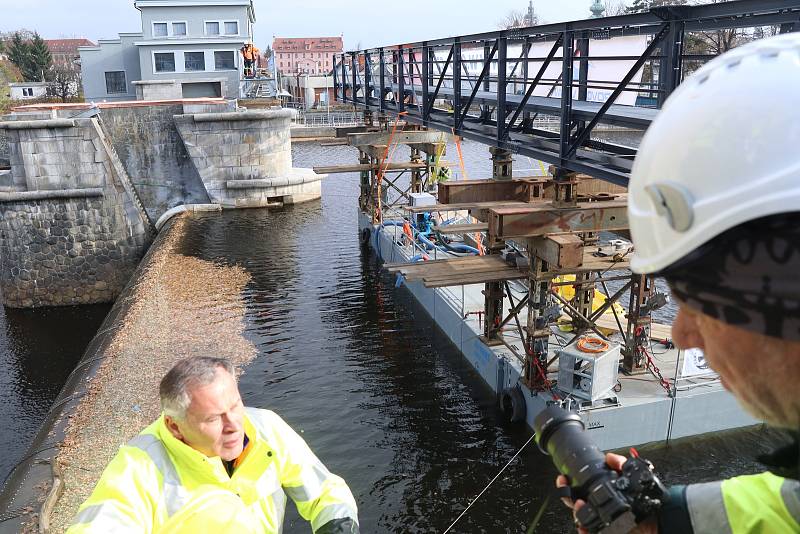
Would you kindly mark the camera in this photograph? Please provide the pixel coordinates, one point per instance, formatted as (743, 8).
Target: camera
(615, 502)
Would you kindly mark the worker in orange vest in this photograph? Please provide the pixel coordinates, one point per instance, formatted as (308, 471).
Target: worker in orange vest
(250, 54)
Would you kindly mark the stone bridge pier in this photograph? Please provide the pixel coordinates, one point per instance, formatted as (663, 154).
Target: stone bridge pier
(72, 229)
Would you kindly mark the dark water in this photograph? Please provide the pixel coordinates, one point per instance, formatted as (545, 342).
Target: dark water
(359, 369)
(38, 349)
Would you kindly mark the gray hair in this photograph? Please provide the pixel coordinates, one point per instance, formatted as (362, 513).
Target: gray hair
(187, 373)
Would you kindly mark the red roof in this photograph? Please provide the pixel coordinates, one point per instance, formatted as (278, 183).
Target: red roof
(67, 46)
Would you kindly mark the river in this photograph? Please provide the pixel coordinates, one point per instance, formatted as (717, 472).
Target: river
(359, 369)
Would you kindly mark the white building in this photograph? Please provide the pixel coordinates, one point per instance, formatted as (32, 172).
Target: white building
(187, 48)
(27, 90)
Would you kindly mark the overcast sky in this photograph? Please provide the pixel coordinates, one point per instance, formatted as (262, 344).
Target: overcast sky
(366, 22)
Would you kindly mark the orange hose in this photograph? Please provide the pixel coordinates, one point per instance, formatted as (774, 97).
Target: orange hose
(592, 345)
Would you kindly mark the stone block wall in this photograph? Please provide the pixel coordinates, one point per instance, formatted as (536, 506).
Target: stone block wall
(71, 229)
(153, 154)
(245, 158)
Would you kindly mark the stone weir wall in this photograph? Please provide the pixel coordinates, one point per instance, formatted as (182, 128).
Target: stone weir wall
(154, 156)
(72, 228)
(245, 158)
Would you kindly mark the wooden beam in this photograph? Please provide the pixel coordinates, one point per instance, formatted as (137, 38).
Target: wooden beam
(541, 220)
(463, 206)
(476, 278)
(405, 138)
(463, 228)
(559, 251)
(391, 167)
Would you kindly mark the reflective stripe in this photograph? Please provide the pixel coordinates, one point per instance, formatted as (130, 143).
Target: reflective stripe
(102, 512)
(790, 492)
(331, 512)
(279, 500)
(312, 487)
(174, 495)
(707, 508)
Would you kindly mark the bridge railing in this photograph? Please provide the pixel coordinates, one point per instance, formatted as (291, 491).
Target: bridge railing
(501, 87)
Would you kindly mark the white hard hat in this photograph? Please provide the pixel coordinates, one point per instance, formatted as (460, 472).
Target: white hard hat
(725, 149)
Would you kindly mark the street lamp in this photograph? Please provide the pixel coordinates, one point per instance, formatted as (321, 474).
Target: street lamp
(327, 93)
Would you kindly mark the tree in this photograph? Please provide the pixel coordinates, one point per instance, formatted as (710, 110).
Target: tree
(31, 56)
(65, 80)
(268, 52)
(519, 19)
(614, 8)
(641, 6)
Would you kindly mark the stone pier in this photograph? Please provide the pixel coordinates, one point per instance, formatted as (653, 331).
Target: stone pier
(71, 227)
(245, 158)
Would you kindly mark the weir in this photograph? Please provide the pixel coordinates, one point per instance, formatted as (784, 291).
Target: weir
(87, 184)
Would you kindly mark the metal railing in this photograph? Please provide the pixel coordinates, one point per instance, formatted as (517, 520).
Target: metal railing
(494, 87)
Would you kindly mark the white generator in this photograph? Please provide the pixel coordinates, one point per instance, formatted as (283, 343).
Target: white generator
(588, 367)
(422, 199)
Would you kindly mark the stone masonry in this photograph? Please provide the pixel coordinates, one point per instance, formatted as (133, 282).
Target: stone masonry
(71, 227)
(245, 157)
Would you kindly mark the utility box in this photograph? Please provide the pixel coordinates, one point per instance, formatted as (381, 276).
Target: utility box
(422, 199)
(588, 367)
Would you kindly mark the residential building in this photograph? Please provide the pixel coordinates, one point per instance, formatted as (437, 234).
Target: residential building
(306, 55)
(187, 48)
(66, 50)
(27, 90)
(311, 90)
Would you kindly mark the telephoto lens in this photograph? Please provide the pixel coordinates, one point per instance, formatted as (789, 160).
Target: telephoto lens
(615, 502)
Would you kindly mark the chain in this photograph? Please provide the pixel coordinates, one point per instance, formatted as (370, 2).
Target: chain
(650, 364)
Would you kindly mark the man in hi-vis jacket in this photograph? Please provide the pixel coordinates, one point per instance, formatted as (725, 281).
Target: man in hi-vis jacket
(209, 464)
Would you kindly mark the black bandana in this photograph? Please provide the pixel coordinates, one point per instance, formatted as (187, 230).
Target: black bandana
(748, 277)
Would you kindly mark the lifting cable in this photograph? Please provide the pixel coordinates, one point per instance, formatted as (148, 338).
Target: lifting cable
(489, 484)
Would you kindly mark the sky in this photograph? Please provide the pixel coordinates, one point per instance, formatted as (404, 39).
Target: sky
(367, 23)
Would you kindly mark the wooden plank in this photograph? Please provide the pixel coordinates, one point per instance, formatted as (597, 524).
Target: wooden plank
(422, 269)
(463, 206)
(477, 278)
(657, 331)
(460, 191)
(405, 138)
(561, 251)
(358, 167)
(463, 228)
(533, 220)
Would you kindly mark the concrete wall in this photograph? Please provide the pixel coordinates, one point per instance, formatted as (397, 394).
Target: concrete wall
(111, 55)
(230, 78)
(150, 148)
(195, 18)
(245, 158)
(71, 228)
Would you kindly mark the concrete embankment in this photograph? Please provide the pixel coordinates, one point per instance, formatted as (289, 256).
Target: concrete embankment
(175, 306)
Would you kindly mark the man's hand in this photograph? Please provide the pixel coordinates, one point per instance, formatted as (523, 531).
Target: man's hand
(614, 461)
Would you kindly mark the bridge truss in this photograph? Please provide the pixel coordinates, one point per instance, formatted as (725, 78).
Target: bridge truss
(488, 87)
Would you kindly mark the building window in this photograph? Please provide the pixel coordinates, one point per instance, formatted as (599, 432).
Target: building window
(212, 28)
(232, 28)
(194, 61)
(27, 91)
(160, 29)
(224, 60)
(164, 62)
(179, 28)
(115, 82)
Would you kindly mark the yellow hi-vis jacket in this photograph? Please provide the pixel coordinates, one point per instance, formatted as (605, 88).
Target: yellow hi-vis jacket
(750, 504)
(154, 476)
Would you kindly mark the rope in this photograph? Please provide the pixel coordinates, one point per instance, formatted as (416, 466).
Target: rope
(489, 484)
(592, 345)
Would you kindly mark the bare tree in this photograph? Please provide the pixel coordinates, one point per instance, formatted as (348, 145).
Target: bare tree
(64, 79)
(614, 8)
(519, 19)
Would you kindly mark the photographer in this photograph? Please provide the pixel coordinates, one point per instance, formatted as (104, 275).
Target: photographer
(714, 208)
